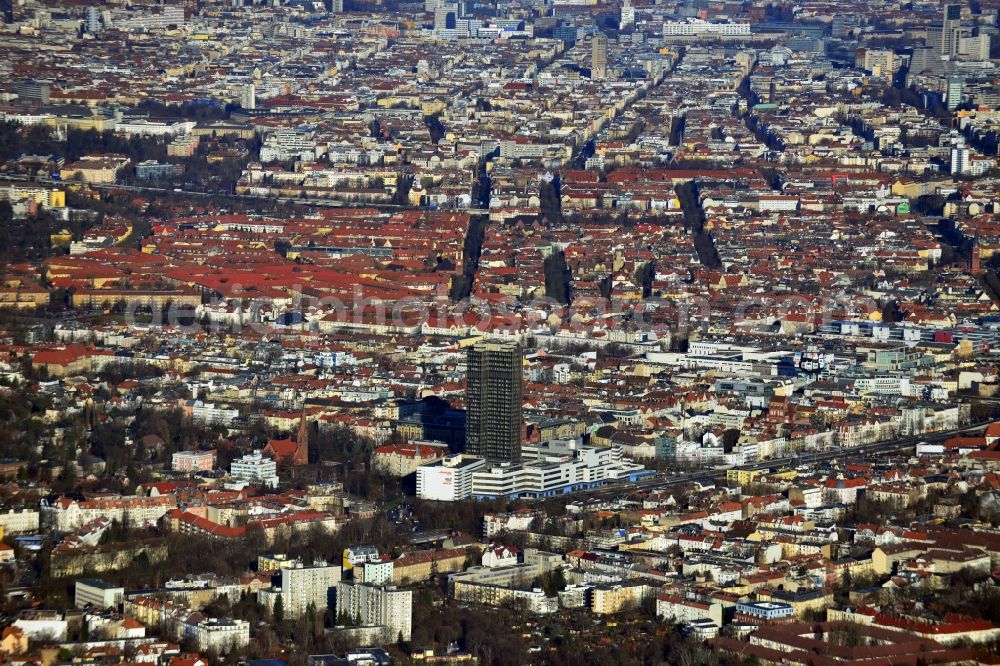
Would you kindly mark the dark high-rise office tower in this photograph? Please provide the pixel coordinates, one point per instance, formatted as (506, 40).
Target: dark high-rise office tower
(493, 401)
(7, 11)
(951, 29)
(842, 24)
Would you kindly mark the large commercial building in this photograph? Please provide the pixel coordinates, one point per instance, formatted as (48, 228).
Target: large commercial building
(164, 18)
(951, 29)
(451, 23)
(945, 37)
(549, 468)
(880, 62)
(98, 594)
(698, 28)
(448, 479)
(33, 91)
(494, 403)
(975, 48)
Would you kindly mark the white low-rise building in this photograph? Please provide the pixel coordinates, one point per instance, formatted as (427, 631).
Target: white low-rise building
(18, 522)
(220, 635)
(45, 627)
(255, 469)
(97, 594)
(683, 610)
(144, 127)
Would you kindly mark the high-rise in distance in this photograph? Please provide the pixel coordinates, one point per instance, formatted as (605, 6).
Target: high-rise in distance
(599, 56)
(493, 401)
(951, 29)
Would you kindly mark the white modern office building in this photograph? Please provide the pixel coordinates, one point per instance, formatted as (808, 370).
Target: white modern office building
(696, 27)
(448, 479)
(547, 469)
(97, 594)
(254, 469)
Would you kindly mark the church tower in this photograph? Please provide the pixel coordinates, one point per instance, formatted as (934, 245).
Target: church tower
(302, 441)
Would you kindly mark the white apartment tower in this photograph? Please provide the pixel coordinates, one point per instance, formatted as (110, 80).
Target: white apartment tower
(378, 606)
(301, 586)
(248, 98)
(959, 159)
(627, 18)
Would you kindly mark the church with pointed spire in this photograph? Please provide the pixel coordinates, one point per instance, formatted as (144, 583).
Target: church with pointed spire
(294, 450)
